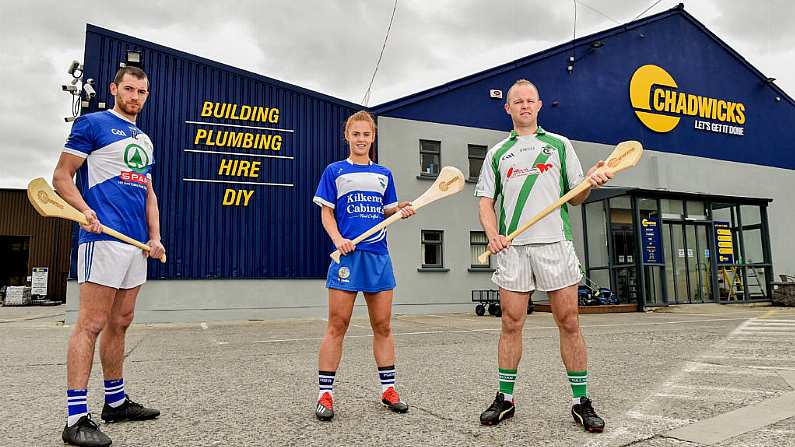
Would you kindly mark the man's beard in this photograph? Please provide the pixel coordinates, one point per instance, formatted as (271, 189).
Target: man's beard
(127, 109)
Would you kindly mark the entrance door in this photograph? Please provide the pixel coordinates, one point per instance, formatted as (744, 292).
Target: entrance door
(687, 269)
(14, 260)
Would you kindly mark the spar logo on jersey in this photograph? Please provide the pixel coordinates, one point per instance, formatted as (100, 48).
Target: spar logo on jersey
(539, 168)
(136, 158)
(133, 177)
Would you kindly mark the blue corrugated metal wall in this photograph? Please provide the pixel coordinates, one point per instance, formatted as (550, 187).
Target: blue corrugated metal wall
(592, 102)
(278, 235)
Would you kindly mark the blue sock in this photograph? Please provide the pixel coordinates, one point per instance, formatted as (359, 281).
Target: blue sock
(114, 392)
(386, 374)
(76, 405)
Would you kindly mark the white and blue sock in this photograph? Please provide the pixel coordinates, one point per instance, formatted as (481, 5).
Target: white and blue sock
(326, 381)
(114, 392)
(76, 405)
(386, 374)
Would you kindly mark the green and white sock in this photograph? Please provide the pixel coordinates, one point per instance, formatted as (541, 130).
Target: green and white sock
(507, 379)
(579, 385)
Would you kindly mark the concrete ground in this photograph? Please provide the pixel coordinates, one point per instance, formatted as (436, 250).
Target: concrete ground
(659, 379)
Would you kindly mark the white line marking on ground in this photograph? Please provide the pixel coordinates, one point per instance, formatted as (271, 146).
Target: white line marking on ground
(769, 328)
(721, 389)
(469, 331)
(737, 422)
(657, 418)
(203, 325)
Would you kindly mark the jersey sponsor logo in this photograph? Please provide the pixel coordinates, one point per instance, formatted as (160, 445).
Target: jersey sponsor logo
(547, 150)
(136, 158)
(134, 177)
(118, 132)
(540, 168)
(134, 132)
(507, 156)
(660, 105)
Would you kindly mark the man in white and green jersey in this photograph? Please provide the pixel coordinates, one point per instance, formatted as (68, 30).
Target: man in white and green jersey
(525, 173)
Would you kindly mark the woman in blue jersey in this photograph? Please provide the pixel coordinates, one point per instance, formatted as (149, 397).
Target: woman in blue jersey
(354, 195)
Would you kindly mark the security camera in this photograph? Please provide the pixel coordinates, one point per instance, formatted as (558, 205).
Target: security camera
(69, 88)
(76, 66)
(69, 119)
(90, 92)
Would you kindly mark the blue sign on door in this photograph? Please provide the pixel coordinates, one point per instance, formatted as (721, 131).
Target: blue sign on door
(650, 234)
(725, 243)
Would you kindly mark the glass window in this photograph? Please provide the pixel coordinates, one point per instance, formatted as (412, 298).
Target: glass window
(621, 231)
(478, 242)
(752, 239)
(596, 222)
(671, 209)
(476, 156)
(432, 248)
(696, 210)
(654, 279)
(750, 215)
(600, 278)
(430, 157)
(722, 212)
(757, 282)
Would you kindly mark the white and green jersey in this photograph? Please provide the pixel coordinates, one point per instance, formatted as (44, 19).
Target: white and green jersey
(525, 174)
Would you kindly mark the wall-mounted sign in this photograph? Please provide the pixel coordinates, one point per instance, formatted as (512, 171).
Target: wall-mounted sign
(243, 137)
(660, 105)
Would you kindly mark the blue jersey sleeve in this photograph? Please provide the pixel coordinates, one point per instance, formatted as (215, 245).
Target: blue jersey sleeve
(326, 194)
(390, 195)
(81, 139)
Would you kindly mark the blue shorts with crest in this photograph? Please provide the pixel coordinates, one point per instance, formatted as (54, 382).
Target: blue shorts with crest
(361, 271)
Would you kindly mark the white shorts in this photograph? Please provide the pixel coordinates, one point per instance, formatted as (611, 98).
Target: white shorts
(544, 267)
(110, 263)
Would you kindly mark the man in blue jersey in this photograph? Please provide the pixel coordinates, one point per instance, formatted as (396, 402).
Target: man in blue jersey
(113, 159)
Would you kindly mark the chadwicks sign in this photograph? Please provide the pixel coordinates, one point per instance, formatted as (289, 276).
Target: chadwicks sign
(660, 105)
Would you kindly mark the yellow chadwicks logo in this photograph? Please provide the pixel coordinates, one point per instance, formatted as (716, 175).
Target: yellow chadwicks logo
(659, 105)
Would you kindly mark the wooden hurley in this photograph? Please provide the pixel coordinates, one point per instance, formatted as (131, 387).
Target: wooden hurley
(49, 204)
(449, 182)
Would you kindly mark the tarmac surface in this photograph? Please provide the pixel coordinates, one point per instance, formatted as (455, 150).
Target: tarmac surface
(691, 375)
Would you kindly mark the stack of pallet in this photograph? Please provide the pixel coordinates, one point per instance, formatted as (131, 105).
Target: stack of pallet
(17, 296)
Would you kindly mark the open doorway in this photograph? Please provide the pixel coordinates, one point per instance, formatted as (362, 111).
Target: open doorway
(14, 251)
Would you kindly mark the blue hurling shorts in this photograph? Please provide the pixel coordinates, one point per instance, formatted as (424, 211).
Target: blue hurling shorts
(361, 271)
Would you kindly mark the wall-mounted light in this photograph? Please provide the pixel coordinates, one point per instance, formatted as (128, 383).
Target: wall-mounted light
(770, 80)
(133, 58)
(597, 44)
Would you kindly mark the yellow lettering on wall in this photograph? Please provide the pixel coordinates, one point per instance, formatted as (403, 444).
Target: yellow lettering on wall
(200, 133)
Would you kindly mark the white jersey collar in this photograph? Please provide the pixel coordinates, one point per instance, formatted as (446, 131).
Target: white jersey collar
(115, 113)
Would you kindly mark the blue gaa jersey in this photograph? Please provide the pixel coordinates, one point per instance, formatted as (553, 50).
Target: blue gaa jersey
(358, 194)
(113, 179)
